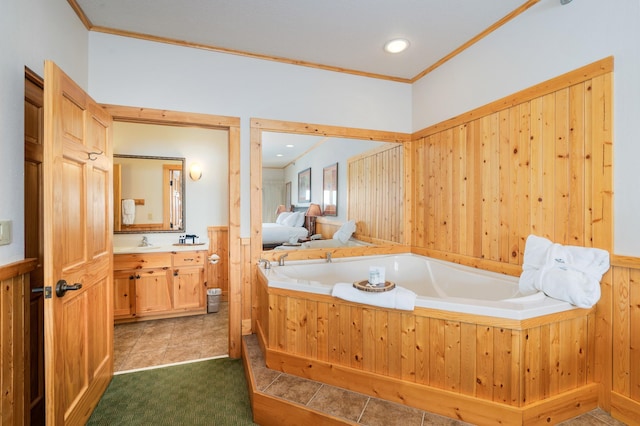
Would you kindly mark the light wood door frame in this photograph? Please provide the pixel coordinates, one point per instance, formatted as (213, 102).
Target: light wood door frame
(34, 248)
(232, 125)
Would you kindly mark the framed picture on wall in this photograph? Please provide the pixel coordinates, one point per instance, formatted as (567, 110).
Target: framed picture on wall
(330, 190)
(304, 186)
(287, 194)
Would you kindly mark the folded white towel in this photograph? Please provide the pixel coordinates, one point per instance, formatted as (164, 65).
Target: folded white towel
(568, 273)
(398, 298)
(344, 233)
(128, 211)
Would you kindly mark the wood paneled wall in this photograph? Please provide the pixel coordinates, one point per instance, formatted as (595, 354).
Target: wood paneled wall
(218, 274)
(14, 361)
(375, 182)
(625, 341)
(537, 162)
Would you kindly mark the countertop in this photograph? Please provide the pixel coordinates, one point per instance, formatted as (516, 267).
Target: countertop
(160, 248)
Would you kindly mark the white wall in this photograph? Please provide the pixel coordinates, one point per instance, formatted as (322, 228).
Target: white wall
(207, 200)
(544, 42)
(30, 32)
(142, 73)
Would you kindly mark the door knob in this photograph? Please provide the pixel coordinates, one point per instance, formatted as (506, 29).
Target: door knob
(62, 287)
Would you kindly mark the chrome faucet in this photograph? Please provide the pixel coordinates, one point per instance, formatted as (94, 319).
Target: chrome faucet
(281, 259)
(267, 264)
(328, 257)
(144, 242)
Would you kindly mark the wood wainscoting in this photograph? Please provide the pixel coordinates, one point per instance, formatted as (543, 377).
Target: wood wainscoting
(217, 275)
(537, 162)
(624, 293)
(376, 184)
(482, 370)
(15, 361)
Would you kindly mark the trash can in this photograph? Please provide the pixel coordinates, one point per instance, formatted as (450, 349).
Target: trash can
(213, 299)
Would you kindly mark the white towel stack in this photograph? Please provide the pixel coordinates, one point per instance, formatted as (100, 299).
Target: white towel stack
(128, 211)
(398, 298)
(568, 273)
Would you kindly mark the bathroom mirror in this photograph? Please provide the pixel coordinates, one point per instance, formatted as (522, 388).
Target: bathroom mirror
(148, 193)
(295, 147)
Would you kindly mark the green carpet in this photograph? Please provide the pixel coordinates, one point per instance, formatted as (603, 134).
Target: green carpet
(212, 392)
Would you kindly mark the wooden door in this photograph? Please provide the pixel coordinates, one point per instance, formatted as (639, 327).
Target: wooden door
(34, 246)
(77, 241)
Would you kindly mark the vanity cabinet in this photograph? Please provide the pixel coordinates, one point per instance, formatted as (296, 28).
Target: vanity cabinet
(159, 285)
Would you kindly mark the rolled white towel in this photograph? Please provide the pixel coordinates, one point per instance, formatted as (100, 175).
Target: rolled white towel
(398, 298)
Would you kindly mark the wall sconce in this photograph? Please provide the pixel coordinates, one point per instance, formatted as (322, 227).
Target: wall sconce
(195, 172)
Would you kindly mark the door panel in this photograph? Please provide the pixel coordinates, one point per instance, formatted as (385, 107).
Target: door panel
(77, 199)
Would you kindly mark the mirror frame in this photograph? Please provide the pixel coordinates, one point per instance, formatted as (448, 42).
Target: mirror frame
(264, 125)
(183, 189)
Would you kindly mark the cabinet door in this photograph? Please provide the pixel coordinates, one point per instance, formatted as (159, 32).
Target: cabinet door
(153, 292)
(188, 288)
(124, 291)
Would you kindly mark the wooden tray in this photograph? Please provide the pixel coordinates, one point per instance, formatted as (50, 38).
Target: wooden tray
(365, 286)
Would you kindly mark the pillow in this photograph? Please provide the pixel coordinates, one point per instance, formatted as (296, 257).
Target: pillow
(300, 221)
(344, 233)
(282, 217)
(291, 220)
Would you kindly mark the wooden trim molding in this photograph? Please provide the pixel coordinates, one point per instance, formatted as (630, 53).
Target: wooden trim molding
(132, 34)
(17, 268)
(232, 124)
(570, 78)
(511, 15)
(625, 261)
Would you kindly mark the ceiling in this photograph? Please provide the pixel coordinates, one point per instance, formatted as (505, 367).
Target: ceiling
(281, 149)
(345, 35)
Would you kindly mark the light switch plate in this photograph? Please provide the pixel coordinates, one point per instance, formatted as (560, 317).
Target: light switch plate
(5, 232)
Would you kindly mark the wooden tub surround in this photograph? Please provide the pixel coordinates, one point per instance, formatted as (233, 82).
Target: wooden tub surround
(482, 370)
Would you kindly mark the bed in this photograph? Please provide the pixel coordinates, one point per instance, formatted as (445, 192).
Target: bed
(341, 238)
(288, 227)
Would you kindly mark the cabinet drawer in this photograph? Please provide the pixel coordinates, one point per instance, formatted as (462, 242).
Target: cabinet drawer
(141, 261)
(188, 258)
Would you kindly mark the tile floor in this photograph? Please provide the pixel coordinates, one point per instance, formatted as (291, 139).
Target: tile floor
(167, 341)
(362, 409)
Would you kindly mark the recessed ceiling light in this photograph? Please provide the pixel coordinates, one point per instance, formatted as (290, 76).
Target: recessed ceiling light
(289, 146)
(278, 155)
(396, 45)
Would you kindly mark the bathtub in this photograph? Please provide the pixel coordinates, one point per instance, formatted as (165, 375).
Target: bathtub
(438, 284)
(473, 349)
